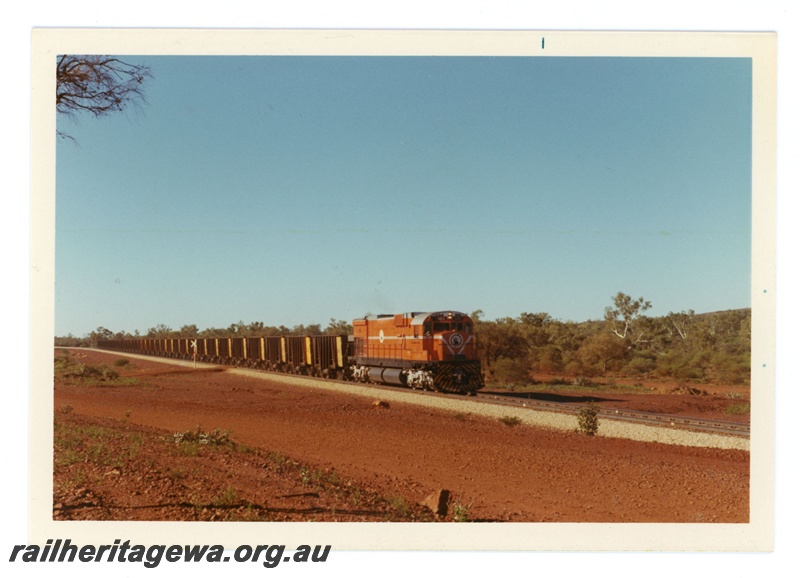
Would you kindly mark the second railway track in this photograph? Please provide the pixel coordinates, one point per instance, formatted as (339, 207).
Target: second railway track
(646, 426)
(651, 418)
(642, 426)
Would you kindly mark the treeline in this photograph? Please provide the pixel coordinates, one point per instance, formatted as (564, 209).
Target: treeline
(710, 347)
(241, 329)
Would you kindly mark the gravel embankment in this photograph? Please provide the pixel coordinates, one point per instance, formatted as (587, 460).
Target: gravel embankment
(608, 428)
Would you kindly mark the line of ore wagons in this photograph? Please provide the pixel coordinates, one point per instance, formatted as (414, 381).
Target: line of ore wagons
(316, 355)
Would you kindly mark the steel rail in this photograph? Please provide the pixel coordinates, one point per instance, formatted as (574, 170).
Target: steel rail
(658, 419)
(738, 429)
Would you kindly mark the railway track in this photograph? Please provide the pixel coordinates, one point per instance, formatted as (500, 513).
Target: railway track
(641, 417)
(737, 429)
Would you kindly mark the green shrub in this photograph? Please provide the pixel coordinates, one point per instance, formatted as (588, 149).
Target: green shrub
(399, 507)
(639, 365)
(510, 421)
(226, 497)
(738, 409)
(550, 359)
(197, 438)
(573, 368)
(461, 512)
(511, 371)
(80, 373)
(588, 423)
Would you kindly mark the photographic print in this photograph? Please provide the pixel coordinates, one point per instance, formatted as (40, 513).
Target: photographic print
(496, 290)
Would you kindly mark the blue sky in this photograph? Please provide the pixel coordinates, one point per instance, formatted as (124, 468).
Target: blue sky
(297, 189)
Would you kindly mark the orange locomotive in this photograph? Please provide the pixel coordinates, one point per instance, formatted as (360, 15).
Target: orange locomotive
(421, 350)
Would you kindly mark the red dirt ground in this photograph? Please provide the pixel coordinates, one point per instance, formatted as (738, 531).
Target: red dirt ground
(503, 473)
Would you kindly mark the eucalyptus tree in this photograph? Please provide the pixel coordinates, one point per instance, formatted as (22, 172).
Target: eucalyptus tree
(98, 85)
(624, 319)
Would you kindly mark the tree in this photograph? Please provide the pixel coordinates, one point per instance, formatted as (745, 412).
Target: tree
(160, 331)
(511, 371)
(681, 322)
(535, 319)
(99, 85)
(313, 329)
(602, 348)
(101, 333)
(188, 330)
(501, 338)
(624, 315)
(336, 327)
(535, 329)
(550, 359)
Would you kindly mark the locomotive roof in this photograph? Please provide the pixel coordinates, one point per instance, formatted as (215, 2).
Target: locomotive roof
(418, 318)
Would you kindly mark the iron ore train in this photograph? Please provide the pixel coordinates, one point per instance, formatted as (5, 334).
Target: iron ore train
(433, 351)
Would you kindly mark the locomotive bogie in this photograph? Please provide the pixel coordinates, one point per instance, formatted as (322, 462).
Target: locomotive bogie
(361, 373)
(419, 379)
